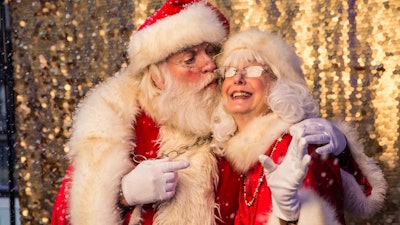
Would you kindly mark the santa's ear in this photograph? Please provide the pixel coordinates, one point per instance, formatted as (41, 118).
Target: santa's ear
(156, 76)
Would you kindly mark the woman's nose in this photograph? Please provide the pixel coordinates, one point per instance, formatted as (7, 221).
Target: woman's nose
(239, 77)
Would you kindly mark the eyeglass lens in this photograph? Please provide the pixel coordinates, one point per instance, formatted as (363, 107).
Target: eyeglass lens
(250, 71)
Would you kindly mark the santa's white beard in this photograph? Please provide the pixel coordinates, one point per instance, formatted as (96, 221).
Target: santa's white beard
(188, 106)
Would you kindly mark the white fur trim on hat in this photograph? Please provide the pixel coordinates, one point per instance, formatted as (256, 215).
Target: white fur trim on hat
(193, 25)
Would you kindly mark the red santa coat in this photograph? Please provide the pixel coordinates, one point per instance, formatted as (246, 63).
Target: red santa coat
(323, 177)
(325, 187)
(108, 126)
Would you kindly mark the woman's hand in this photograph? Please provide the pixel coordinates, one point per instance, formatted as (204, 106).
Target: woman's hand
(285, 179)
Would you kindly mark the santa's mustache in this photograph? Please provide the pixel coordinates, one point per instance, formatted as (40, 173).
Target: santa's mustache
(212, 78)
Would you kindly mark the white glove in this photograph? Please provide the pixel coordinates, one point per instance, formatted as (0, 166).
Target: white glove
(285, 179)
(322, 132)
(151, 181)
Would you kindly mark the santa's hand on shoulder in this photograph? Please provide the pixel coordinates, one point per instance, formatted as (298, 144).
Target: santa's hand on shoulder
(152, 181)
(320, 131)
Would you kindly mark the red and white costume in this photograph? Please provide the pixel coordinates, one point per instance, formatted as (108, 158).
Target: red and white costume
(327, 189)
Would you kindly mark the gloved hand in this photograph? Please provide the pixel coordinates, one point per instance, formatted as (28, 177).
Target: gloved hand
(285, 179)
(322, 132)
(151, 181)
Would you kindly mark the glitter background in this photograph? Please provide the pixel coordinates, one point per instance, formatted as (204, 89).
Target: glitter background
(351, 53)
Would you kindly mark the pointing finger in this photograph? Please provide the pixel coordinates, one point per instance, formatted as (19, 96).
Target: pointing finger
(175, 165)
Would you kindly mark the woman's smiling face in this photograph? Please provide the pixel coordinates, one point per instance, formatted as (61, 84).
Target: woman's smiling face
(246, 96)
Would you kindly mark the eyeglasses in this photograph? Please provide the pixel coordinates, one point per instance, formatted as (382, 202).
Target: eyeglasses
(189, 58)
(250, 71)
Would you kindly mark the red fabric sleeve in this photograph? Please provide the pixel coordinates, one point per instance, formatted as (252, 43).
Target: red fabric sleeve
(60, 208)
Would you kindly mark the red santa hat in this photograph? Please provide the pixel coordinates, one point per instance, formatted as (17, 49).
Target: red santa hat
(176, 25)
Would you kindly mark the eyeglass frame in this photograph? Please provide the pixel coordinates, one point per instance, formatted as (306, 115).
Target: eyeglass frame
(222, 71)
(191, 65)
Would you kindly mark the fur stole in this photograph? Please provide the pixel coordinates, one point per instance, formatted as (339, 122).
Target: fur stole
(243, 149)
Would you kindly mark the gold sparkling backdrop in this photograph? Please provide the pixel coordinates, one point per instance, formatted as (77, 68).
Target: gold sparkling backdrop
(351, 53)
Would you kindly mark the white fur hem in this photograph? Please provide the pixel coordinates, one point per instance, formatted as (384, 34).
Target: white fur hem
(314, 210)
(356, 202)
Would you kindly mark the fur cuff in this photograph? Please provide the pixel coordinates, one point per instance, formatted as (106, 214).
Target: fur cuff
(356, 202)
(314, 210)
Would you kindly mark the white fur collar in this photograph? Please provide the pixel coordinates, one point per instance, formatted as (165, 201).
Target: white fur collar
(243, 149)
(100, 146)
